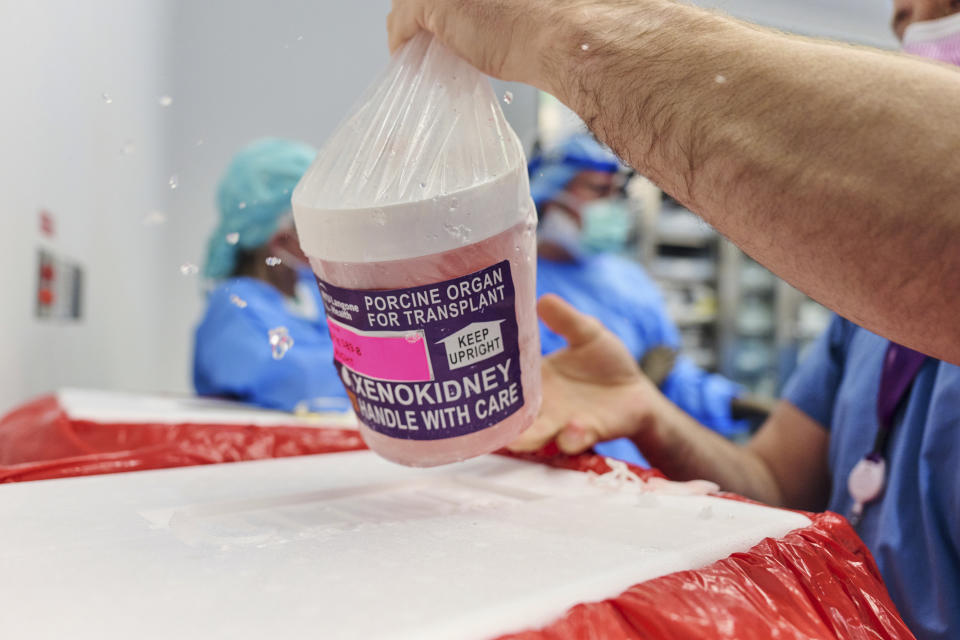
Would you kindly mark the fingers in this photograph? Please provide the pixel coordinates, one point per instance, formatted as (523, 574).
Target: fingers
(575, 437)
(403, 22)
(576, 328)
(537, 436)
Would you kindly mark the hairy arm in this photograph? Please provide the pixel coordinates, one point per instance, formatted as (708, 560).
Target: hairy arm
(836, 167)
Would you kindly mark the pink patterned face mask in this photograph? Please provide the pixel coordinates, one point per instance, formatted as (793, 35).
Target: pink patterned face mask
(935, 39)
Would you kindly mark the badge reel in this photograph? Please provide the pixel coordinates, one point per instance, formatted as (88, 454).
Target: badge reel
(865, 484)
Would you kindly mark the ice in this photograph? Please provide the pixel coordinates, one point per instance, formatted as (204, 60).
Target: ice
(165, 101)
(173, 181)
(233, 238)
(507, 97)
(238, 301)
(280, 342)
(188, 269)
(273, 261)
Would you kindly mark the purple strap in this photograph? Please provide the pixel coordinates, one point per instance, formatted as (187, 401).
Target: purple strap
(900, 367)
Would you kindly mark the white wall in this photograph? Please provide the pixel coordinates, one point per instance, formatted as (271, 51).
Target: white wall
(61, 150)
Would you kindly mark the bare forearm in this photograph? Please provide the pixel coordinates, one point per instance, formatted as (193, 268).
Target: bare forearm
(836, 167)
(683, 449)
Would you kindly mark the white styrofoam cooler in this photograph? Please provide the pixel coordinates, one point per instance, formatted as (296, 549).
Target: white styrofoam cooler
(342, 546)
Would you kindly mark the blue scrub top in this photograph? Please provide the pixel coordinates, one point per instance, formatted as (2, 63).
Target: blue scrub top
(232, 353)
(913, 529)
(620, 294)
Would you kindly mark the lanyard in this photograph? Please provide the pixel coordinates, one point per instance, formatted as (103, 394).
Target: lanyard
(900, 367)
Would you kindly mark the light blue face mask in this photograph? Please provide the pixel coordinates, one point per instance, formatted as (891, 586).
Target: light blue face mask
(607, 224)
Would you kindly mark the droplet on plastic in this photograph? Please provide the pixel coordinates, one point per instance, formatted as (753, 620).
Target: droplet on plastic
(280, 342)
(584, 46)
(720, 79)
(412, 337)
(173, 181)
(106, 98)
(238, 301)
(154, 218)
(165, 101)
(233, 238)
(458, 231)
(188, 269)
(242, 205)
(128, 148)
(273, 261)
(508, 97)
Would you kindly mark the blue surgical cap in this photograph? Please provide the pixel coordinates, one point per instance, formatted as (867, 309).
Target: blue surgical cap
(253, 196)
(550, 172)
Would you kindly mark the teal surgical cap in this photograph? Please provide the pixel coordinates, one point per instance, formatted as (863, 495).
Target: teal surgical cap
(551, 171)
(253, 196)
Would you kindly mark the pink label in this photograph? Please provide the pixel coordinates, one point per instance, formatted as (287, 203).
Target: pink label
(379, 354)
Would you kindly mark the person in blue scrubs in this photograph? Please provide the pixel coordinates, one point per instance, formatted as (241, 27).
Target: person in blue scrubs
(584, 228)
(264, 285)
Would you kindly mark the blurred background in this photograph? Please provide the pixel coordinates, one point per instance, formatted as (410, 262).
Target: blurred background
(120, 116)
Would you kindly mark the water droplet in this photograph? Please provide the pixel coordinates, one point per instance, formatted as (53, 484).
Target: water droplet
(242, 205)
(173, 181)
(516, 248)
(273, 261)
(106, 98)
(584, 46)
(379, 217)
(128, 148)
(237, 300)
(412, 337)
(200, 142)
(458, 231)
(280, 342)
(233, 238)
(188, 269)
(299, 38)
(154, 218)
(165, 101)
(720, 79)
(508, 97)
(423, 185)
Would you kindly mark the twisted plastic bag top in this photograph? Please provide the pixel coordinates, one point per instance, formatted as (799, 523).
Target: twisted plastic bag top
(429, 126)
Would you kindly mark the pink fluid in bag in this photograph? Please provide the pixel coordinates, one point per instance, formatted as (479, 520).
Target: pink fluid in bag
(404, 435)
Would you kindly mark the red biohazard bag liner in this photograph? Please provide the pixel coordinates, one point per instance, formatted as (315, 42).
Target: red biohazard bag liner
(49, 438)
(818, 581)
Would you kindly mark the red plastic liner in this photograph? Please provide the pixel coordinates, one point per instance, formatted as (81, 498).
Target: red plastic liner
(817, 582)
(39, 441)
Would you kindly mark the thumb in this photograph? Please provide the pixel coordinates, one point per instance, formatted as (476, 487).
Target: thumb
(576, 328)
